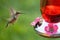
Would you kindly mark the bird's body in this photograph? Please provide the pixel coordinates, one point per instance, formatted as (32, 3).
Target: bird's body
(11, 20)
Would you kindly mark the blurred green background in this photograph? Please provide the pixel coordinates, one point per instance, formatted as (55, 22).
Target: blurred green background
(21, 29)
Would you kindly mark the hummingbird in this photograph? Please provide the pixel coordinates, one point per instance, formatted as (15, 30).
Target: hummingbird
(14, 15)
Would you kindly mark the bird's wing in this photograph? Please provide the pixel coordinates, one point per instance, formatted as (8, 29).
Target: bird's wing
(12, 11)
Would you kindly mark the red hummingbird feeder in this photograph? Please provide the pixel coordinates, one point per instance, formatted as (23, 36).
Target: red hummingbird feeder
(50, 25)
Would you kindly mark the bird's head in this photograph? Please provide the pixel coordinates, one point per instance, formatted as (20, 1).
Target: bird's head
(17, 13)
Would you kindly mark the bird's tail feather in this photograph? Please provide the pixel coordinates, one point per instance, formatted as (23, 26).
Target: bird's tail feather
(7, 25)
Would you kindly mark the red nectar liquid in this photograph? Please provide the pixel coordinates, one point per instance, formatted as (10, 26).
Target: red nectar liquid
(51, 12)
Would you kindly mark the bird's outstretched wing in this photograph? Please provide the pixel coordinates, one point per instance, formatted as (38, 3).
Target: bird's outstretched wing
(12, 11)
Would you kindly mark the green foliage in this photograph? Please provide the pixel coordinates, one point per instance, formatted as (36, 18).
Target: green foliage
(21, 29)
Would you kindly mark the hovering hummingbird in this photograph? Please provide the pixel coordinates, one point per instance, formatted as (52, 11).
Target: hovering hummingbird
(14, 15)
